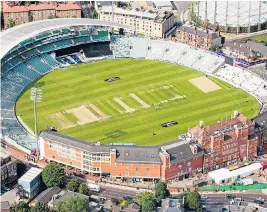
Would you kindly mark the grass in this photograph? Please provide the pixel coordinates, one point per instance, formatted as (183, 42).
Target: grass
(261, 38)
(84, 84)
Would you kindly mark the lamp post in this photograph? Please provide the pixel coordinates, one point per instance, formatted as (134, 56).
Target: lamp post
(36, 96)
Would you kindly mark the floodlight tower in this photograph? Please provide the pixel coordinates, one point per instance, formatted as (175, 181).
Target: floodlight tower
(36, 95)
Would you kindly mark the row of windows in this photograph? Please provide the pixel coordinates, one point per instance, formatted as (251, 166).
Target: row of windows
(137, 174)
(230, 151)
(63, 151)
(96, 157)
(90, 168)
(137, 169)
(230, 146)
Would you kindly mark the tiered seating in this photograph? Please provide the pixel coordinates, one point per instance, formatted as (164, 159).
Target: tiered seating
(42, 36)
(30, 53)
(76, 58)
(67, 60)
(51, 61)
(139, 47)
(245, 80)
(6, 105)
(61, 61)
(46, 48)
(101, 36)
(16, 77)
(28, 73)
(120, 46)
(5, 67)
(189, 57)
(83, 39)
(174, 52)
(208, 62)
(15, 60)
(7, 114)
(156, 50)
(84, 32)
(63, 43)
(39, 65)
(12, 88)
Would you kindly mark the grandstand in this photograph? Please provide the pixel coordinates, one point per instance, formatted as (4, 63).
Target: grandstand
(37, 55)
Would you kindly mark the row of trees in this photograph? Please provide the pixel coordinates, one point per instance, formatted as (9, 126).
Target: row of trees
(76, 186)
(23, 207)
(148, 200)
(73, 204)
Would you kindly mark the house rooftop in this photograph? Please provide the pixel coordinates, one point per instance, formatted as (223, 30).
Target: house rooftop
(30, 175)
(198, 31)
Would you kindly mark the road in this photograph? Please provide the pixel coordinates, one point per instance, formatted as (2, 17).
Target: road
(110, 192)
(86, 9)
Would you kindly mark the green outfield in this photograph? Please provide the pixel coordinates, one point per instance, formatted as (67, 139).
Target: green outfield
(78, 102)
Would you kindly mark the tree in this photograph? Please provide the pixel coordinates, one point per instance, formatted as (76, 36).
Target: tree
(83, 188)
(147, 201)
(125, 203)
(73, 185)
(30, 17)
(20, 207)
(193, 201)
(161, 191)
(114, 201)
(149, 206)
(143, 197)
(11, 23)
(40, 207)
(53, 175)
(73, 204)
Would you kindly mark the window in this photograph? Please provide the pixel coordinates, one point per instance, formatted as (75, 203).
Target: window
(53, 157)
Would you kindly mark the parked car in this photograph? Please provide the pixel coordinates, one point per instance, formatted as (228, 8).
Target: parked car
(127, 198)
(259, 200)
(6, 188)
(230, 196)
(204, 197)
(102, 200)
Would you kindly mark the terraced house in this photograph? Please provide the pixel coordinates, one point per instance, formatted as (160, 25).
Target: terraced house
(201, 149)
(15, 11)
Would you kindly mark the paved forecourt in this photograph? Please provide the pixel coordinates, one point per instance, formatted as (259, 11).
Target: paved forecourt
(78, 101)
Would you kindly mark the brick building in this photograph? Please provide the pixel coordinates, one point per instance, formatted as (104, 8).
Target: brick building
(227, 142)
(261, 129)
(200, 150)
(246, 53)
(21, 14)
(193, 36)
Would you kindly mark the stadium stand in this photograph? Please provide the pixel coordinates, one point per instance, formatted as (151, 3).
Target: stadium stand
(156, 50)
(138, 47)
(30, 60)
(120, 46)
